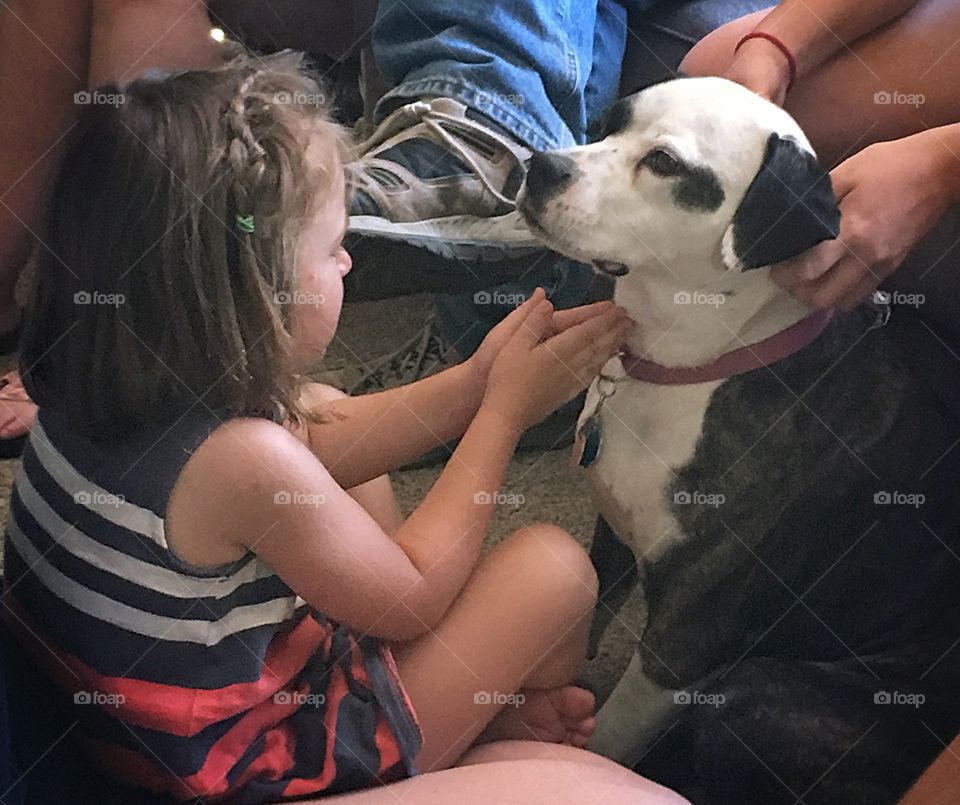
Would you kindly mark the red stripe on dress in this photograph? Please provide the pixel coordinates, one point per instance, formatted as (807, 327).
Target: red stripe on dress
(174, 709)
(276, 760)
(211, 779)
(336, 691)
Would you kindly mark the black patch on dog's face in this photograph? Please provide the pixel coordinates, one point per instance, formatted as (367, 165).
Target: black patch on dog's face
(698, 190)
(617, 118)
(695, 188)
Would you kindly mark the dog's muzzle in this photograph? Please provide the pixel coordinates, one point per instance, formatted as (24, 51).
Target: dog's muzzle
(547, 175)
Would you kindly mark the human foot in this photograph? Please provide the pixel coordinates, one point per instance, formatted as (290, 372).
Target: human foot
(438, 175)
(562, 715)
(17, 415)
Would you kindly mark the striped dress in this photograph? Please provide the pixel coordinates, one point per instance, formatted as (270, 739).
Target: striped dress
(217, 682)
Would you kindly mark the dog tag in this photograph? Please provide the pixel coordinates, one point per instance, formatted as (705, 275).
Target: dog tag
(586, 447)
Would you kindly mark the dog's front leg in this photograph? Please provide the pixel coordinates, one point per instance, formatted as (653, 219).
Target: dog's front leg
(633, 717)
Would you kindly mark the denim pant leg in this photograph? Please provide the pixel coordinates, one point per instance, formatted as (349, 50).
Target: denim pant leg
(609, 44)
(466, 319)
(523, 63)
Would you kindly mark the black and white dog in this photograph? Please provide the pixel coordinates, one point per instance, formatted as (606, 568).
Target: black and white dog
(779, 476)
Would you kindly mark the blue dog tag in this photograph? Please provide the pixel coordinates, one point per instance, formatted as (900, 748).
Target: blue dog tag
(591, 435)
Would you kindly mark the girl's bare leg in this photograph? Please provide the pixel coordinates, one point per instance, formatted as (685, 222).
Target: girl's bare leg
(520, 623)
(847, 103)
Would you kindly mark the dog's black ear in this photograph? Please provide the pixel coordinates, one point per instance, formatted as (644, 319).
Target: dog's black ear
(789, 207)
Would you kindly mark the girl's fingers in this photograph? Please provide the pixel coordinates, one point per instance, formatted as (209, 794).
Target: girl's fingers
(565, 319)
(580, 336)
(535, 327)
(607, 347)
(519, 315)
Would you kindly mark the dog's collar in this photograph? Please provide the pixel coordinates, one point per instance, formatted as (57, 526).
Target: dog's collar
(753, 356)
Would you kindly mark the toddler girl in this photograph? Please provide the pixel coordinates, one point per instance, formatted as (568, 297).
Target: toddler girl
(203, 551)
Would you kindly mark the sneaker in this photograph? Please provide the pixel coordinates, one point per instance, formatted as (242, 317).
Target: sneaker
(442, 177)
(426, 354)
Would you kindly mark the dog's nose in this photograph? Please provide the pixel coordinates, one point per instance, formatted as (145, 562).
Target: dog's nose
(547, 173)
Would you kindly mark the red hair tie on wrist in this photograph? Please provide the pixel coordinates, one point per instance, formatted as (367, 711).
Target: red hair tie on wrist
(775, 41)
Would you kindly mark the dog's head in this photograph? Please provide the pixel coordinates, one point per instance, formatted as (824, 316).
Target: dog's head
(696, 174)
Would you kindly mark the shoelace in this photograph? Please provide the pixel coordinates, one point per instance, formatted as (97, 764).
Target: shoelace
(419, 357)
(422, 112)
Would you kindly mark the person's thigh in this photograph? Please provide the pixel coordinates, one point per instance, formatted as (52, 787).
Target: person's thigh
(132, 36)
(44, 47)
(520, 772)
(896, 81)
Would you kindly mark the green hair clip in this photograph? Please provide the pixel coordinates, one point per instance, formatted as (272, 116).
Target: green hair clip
(245, 223)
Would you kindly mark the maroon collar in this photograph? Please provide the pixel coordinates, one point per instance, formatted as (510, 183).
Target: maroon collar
(753, 356)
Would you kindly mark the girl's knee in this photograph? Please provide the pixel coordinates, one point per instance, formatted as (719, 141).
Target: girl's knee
(554, 563)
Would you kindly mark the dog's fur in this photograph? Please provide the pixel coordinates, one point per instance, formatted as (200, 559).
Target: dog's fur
(790, 608)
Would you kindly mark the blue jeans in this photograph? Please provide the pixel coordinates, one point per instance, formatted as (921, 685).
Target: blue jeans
(545, 70)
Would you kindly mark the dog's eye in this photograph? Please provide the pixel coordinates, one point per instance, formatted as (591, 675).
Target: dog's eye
(662, 163)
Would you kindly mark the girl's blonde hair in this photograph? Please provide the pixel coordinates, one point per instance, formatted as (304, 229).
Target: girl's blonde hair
(170, 248)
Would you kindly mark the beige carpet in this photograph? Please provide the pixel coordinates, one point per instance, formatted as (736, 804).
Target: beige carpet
(551, 490)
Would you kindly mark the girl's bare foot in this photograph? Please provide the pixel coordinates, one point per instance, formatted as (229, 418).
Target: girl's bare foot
(562, 715)
(17, 410)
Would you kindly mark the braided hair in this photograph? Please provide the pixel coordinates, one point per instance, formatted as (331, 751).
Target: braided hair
(185, 205)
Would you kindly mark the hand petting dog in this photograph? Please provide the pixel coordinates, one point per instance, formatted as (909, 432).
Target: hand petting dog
(891, 195)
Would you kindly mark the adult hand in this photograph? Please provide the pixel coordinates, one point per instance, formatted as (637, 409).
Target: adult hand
(761, 67)
(891, 195)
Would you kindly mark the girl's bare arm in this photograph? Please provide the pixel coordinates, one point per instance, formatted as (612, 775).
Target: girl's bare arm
(361, 438)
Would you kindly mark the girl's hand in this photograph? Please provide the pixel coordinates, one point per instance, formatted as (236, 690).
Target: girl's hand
(891, 195)
(539, 369)
(483, 359)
